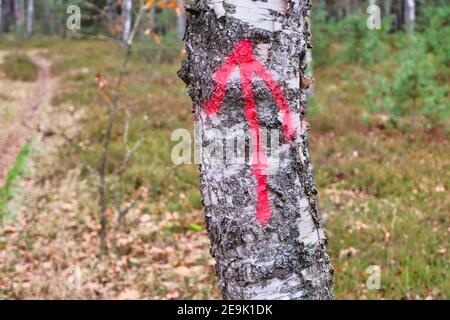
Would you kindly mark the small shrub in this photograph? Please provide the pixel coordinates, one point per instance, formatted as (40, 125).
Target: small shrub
(434, 23)
(412, 91)
(19, 67)
(322, 32)
(363, 45)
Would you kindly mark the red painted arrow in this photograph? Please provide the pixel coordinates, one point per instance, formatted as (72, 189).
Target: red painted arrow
(243, 57)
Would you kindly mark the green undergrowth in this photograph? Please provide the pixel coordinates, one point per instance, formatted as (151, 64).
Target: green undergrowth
(18, 67)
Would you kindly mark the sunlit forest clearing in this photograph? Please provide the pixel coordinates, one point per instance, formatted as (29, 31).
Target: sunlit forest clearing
(382, 177)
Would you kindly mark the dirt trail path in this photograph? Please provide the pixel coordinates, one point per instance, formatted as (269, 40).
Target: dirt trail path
(20, 109)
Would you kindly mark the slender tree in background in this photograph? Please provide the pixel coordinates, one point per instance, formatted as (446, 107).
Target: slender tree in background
(7, 14)
(181, 19)
(30, 17)
(387, 6)
(19, 7)
(49, 17)
(400, 14)
(110, 11)
(152, 16)
(1, 18)
(127, 7)
(245, 69)
(309, 59)
(410, 15)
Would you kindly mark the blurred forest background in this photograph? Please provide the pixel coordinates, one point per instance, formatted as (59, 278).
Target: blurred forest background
(92, 207)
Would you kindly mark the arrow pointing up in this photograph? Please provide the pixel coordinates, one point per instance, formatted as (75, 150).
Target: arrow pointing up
(243, 57)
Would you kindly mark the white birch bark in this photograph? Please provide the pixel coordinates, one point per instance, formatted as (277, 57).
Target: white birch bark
(410, 15)
(30, 17)
(310, 71)
(181, 19)
(284, 257)
(127, 7)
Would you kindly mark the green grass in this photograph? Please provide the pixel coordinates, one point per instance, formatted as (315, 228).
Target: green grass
(6, 192)
(18, 67)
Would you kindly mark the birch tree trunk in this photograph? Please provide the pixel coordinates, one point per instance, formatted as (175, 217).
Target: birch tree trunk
(410, 15)
(387, 7)
(2, 27)
(30, 17)
(309, 70)
(127, 6)
(308, 60)
(244, 70)
(19, 8)
(181, 19)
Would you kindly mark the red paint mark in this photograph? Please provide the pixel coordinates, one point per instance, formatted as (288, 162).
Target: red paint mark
(243, 57)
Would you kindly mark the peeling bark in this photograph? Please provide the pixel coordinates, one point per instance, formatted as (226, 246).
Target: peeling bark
(284, 257)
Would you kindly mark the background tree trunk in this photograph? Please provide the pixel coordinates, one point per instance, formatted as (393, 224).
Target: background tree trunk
(2, 27)
(19, 7)
(283, 257)
(400, 12)
(8, 14)
(181, 19)
(127, 6)
(410, 15)
(111, 10)
(387, 7)
(30, 17)
(49, 13)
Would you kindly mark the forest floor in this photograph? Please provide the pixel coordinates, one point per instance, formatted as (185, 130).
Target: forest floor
(383, 191)
(20, 111)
